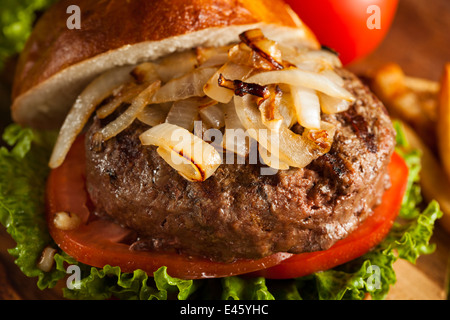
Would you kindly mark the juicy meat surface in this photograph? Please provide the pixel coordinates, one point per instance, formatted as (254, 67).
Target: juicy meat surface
(239, 213)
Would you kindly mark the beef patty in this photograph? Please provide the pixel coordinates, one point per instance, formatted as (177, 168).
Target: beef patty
(239, 213)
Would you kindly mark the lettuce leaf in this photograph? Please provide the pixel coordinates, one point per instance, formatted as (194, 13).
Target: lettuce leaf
(238, 288)
(109, 282)
(23, 172)
(16, 21)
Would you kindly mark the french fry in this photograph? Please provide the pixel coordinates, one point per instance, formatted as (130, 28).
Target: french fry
(427, 92)
(422, 85)
(443, 122)
(433, 180)
(388, 81)
(413, 100)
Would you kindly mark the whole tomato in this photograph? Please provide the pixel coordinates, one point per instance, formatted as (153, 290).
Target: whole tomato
(354, 28)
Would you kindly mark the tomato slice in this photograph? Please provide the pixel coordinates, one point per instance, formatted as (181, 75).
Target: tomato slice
(97, 242)
(367, 236)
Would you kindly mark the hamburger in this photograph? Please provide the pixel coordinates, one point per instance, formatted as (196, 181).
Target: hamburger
(203, 149)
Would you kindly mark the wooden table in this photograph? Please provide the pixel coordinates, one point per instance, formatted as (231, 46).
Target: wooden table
(420, 42)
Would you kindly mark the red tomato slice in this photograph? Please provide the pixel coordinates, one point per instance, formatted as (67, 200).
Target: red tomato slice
(98, 242)
(368, 235)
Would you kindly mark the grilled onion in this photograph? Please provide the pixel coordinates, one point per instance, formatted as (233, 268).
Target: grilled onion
(307, 79)
(185, 167)
(267, 49)
(165, 69)
(270, 160)
(212, 115)
(270, 109)
(243, 55)
(126, 94)
(235, 138)
(184, 112)
(145, 73)
(47, 261)
(242, 88)
(332, 105)
(321, 138)
(229, 70)
(187, 86)
(182, 143)
(324, 58)
(293, 149)
(84, 106)
(333, 76)
(212, 56)
(154, 114)
(287, 110)
(307, 107)
(126, 119)
(176, 65)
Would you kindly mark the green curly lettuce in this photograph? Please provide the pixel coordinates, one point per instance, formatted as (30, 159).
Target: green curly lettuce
(16, 21)
(23, 172)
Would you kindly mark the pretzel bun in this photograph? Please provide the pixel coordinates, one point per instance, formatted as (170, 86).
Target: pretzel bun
(58, 62)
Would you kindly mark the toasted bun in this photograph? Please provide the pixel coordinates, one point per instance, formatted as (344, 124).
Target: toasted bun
(58, 62)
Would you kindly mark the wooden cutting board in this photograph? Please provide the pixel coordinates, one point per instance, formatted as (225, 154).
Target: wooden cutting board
(419, 41)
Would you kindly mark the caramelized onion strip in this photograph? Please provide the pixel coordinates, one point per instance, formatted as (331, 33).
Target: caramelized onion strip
(307, 106)
(270, 160)
(212, 56)
(307, 79)
(291, 148)
(235, 138)
(213, 115)
(185, 144)
(184, 112)
(185, 167)
(126, 119)
(270, 109)
(267, 49)
(323, 58)
(84, 106)
(154, 114)
(125, 95)
(188, 86)
(330, 105)
(176, 65)
(229, 70)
